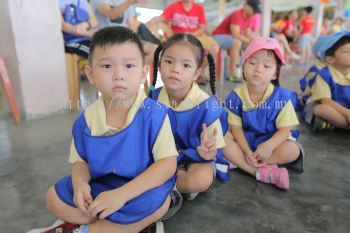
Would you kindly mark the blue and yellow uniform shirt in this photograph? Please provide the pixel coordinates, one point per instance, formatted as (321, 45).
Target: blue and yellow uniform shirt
(95, 116)
(192, 100)
(259, 121)
(331, 84)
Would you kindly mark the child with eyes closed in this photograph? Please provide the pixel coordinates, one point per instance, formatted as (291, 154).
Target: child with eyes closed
(195, 117)
(261, 140)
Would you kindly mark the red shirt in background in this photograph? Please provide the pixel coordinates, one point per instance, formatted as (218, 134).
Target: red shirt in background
(237, 18)
(183, 21)
(307, 23)
(290, 26)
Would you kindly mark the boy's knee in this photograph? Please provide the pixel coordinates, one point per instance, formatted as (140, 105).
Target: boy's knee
(50, 199)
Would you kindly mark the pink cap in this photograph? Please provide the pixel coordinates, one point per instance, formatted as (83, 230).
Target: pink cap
(264, 43)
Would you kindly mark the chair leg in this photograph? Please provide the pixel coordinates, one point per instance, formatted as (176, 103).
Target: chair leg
(6, 82)
(73, 79)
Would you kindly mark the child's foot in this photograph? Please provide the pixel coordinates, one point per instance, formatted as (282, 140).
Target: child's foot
(319, 124)
(63, 227)
(190, 196)
(272, 174)
(157, 227)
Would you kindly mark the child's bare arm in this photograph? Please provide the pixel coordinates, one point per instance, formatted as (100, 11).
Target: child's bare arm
(238, 135)
(157, 174)
(80, 180)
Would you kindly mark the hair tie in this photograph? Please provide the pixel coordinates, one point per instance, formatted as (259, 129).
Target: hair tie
(205, 52)
(152, 88)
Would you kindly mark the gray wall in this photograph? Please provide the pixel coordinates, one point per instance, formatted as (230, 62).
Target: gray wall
(31, 44)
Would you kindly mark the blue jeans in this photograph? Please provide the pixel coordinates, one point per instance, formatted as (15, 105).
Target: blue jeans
(225, 41)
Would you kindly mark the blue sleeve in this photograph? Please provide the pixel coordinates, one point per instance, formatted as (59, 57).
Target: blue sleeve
(234, 103)
(78, 131)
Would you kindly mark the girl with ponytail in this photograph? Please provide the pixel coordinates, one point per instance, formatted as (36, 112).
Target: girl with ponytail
(194, 115)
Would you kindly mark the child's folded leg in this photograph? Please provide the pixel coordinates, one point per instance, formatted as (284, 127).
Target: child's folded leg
(198, 177)
(109, 227)
(64, 211)
(287, 152)
(331, 115)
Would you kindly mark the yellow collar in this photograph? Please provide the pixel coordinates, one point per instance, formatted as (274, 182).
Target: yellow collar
(98, 119)
(248, 104)
(339, 77)
(193, 98)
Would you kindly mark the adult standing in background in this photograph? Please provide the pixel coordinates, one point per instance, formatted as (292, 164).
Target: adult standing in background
(240, 27)
(304, 42)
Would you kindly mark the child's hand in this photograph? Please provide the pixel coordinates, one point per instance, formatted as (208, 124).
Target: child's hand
(263, 153)
(207, 149)
(82, 197)
(107, 203)
(249, 158)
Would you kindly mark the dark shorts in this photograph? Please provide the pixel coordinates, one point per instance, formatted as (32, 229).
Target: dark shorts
(297, 166)
(81, 48)
(175, 204)
(309, 111)
(145, 34)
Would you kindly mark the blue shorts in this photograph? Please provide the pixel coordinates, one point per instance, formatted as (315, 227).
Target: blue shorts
(225, 41)
(304, 41)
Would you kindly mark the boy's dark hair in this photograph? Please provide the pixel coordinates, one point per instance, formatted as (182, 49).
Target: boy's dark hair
(342, 41)
(309, 9)
(200, 53)
(113, 36)
(278, 68)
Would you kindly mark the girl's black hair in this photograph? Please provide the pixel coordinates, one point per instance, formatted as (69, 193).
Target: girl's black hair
(189, 39)
(278, 68)
(112, 36)
(342, 41)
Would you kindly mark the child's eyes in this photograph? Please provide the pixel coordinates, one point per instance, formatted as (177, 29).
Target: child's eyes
(187, 65)
(106, 66)
(167, 61)
(267, 66)
(129, 66)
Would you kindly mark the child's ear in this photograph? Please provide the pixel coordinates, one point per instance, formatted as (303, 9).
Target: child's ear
(197, 73)
(330, 60)
(89, 73)
(145, 71)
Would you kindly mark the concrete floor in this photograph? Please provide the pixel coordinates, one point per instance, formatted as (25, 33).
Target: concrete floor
(34, 155)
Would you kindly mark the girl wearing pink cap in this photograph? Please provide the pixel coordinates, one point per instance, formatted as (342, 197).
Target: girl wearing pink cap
(261, 115)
